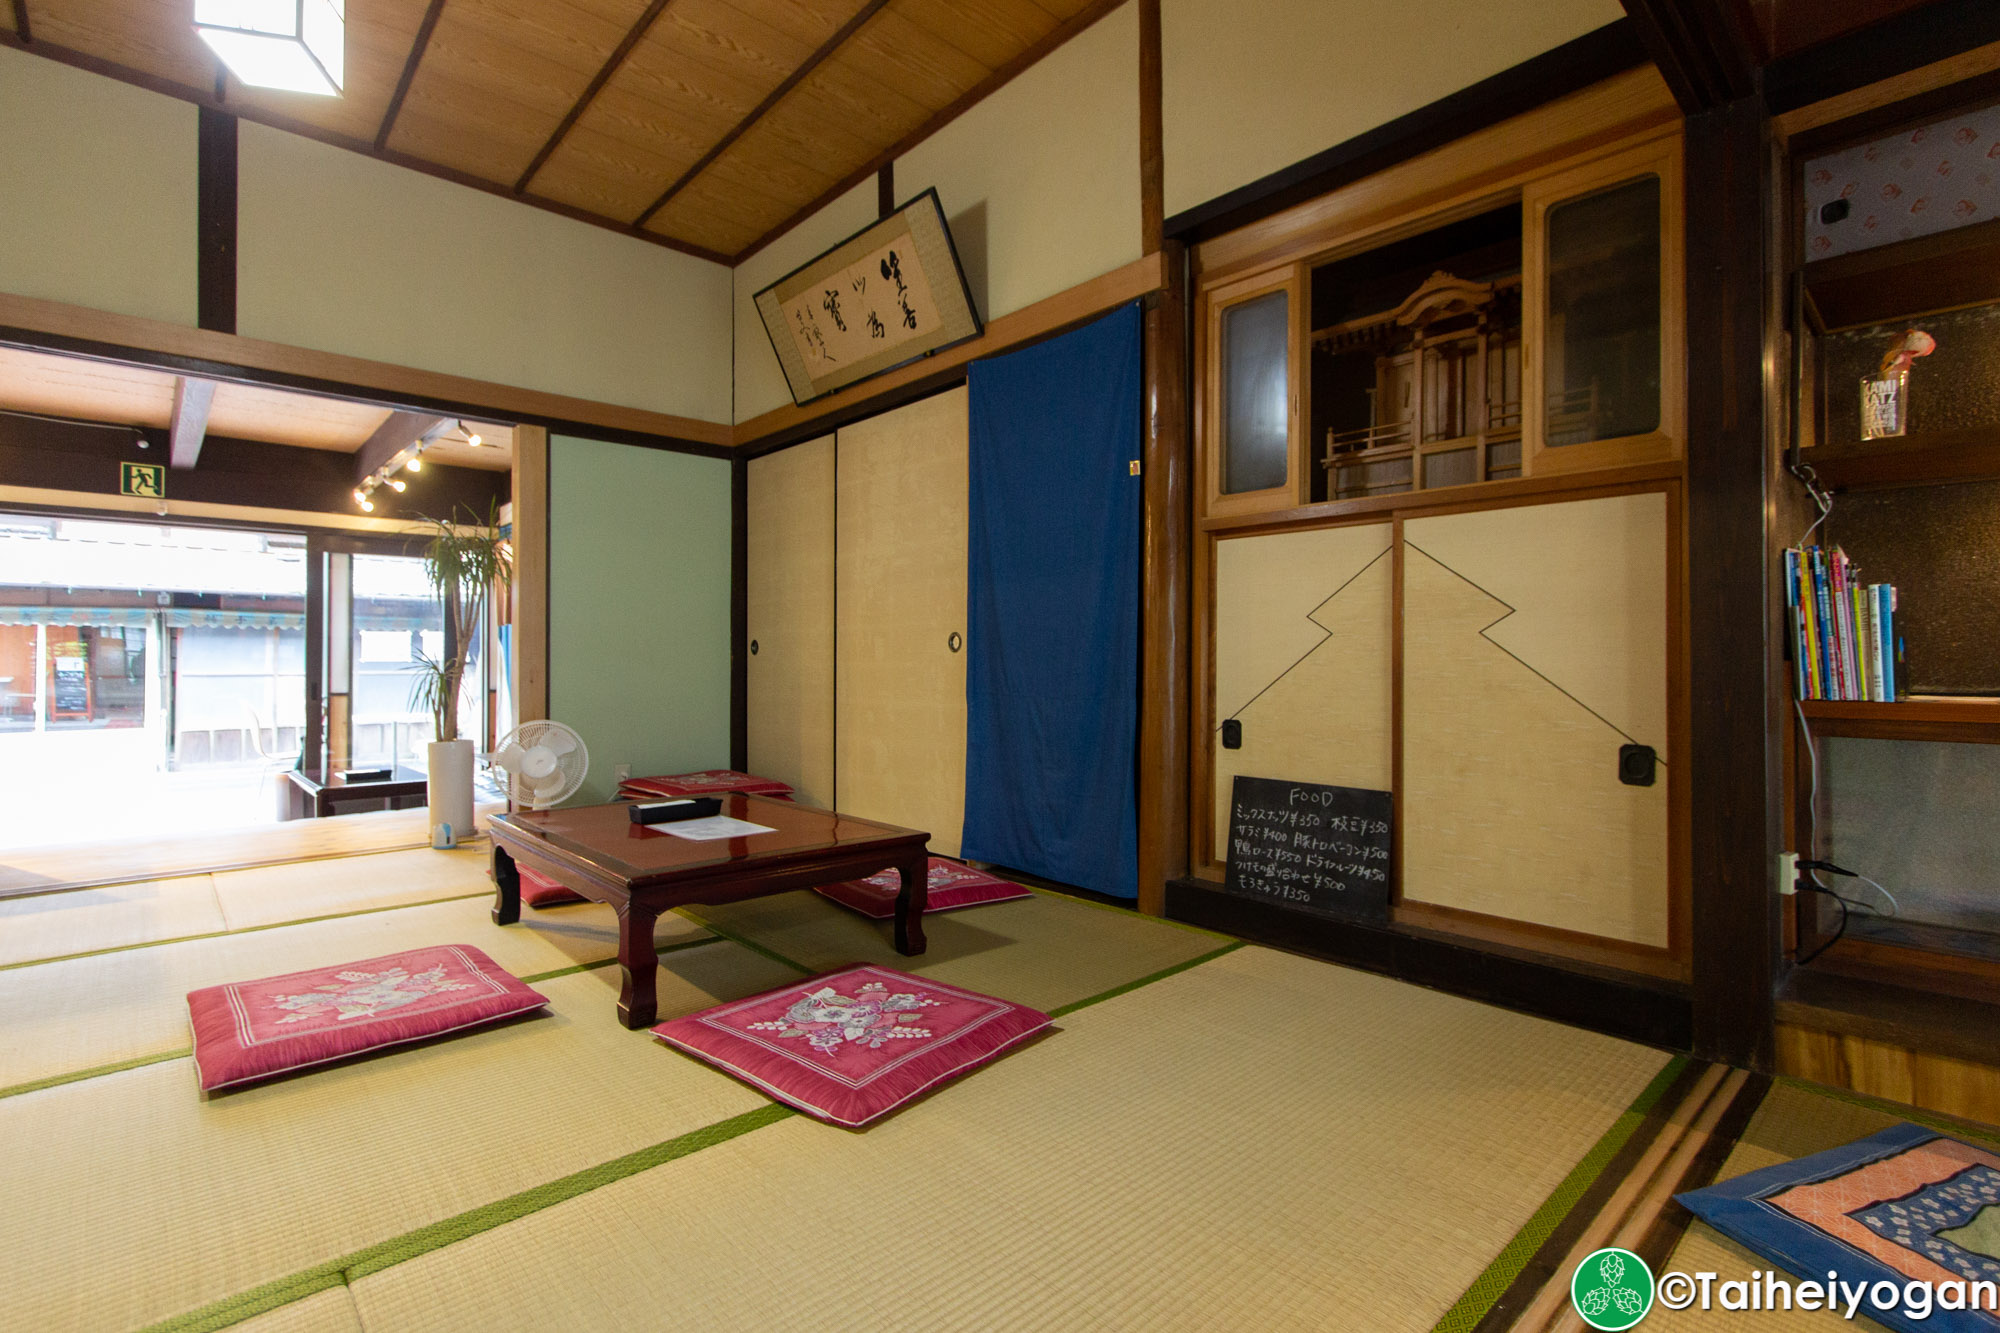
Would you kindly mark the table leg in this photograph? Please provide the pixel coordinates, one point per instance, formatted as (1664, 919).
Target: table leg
(506, 888)
(910, 902)
(639, 960)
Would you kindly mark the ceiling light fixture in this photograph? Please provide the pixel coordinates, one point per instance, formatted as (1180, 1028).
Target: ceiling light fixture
(414, 465)
(295, 45)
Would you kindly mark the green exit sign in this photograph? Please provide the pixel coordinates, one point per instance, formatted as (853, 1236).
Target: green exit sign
(145, 480)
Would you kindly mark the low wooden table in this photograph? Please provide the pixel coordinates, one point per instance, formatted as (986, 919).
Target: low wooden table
(641, 872)
(316, 793)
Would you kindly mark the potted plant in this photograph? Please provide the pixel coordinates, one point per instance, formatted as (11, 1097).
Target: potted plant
(463, 562)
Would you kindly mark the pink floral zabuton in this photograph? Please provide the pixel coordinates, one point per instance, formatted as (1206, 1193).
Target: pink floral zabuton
(855, 1044)
(539, 891)
(951, 886)
(251, 1030)
(708, 782)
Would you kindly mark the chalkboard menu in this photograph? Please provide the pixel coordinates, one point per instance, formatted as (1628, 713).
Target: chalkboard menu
(72, 689)
(1310, 847)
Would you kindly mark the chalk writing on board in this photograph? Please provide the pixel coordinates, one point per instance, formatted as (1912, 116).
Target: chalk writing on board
(1311, 847)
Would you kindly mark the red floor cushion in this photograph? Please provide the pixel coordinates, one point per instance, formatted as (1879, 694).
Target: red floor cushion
(852, 1045)
(250, 1030)
(539, 891)
(952, 886)
(705, 783)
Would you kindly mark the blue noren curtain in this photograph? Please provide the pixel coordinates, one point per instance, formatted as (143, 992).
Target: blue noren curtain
(1052, 691)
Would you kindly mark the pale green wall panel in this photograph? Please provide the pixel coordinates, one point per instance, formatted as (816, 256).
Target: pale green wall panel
(97, 191)
(639, 547)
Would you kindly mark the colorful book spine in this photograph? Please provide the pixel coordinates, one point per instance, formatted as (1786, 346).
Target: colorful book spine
(1886, 595)
(1843, 631)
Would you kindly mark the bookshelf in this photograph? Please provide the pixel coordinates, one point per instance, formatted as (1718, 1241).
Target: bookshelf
(1920, 718)
(1944, 271)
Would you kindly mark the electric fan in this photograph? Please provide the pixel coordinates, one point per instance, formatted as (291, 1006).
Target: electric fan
(544, 763)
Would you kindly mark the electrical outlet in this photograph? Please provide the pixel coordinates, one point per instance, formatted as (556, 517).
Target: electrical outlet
(620, 772)
(1788, 872)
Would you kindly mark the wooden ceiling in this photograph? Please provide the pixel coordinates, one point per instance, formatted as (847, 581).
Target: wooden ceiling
(708, 125)
(103, 391)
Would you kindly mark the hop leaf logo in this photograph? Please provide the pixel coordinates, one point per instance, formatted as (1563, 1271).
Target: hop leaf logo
(1612, 1289)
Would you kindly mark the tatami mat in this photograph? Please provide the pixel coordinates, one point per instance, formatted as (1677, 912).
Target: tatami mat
(326, 1312)
(305, 889)
(84, 1013)
(114, 859)
(149, 1201)
(1044, 951)
(1259, 1142)
(54, 925)
(1792, 1122)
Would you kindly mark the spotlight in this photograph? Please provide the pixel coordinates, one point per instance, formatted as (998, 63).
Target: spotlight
(414, 465)
(399, 483)
(367, 504)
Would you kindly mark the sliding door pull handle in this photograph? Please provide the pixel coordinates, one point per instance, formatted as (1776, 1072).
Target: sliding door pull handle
(954, 642)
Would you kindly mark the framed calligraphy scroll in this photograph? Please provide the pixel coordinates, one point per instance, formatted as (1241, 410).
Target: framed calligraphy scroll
(890, 293)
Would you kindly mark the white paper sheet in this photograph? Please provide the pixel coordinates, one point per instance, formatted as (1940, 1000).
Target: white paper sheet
(712, 829)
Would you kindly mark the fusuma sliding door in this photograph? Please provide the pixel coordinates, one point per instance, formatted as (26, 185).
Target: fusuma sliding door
(791, 616)
(1535, 649)
(900, 577)
(1303, 640)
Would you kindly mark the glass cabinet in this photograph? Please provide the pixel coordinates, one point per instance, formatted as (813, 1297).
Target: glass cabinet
(1603, 273)
(1252, 394)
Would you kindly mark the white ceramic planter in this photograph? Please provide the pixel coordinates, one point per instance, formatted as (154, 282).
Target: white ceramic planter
(450, 791)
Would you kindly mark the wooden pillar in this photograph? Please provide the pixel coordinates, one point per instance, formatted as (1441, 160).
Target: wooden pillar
(531, 573)
(1734, 749)
(1165, 611)
(1152, 158)
(739, 614)
(1167, 524)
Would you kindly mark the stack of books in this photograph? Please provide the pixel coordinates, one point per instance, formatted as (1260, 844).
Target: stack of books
(1843, 631)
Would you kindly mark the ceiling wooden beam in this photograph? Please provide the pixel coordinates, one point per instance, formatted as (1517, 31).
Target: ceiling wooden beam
(991, 84)
(1708, 51)
(188, 425)
(398, 433)
(424, 31)
(742, 127)
(617, 58)
(22, 29)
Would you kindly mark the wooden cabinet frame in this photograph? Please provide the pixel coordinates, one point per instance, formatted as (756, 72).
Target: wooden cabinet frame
(1214, 303)
(1670, 963)
(1660, 156)
(1624, 127)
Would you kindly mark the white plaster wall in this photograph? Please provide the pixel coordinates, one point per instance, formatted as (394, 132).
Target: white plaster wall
(344, 253)
(1253, 86)
(97, 191)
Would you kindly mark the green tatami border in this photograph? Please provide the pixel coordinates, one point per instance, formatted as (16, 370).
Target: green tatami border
(240, 930)
(283, 1291)
(411, 1244)
(1492, 1284)
(154, 876)
(1131, 912)
(1161, 975)
(158, 1057)
(693, 912)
